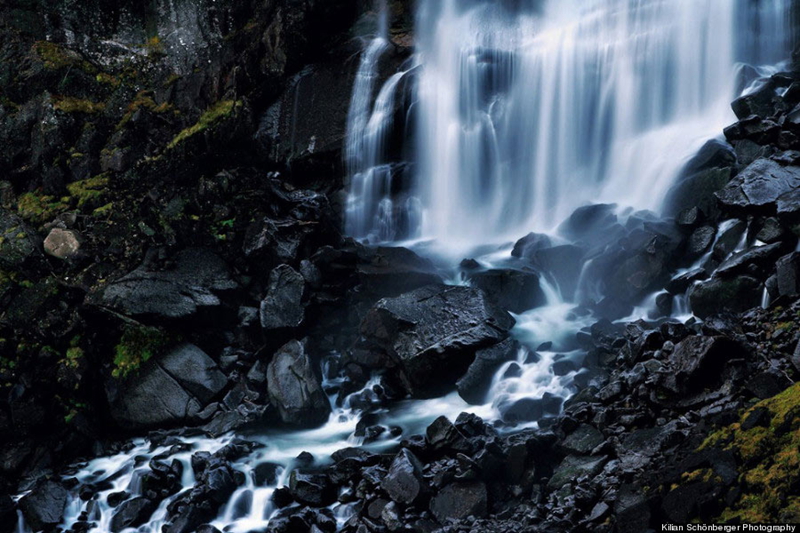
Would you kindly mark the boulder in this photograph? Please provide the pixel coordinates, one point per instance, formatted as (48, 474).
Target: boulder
(697, 363)
(474, 385)
(713, 154)
(761, 102)
(43, 508)
(18, 242)
(132, 513)
(195, 371)
(283, 305)
(683, 281)
(561, 264)
(717, 295)
(752, 261)
(589, 223)
(193, 284)
(294, 389)
(311, 489)
(788, 207)
(583, 440)
(460, 500)
(700, 241)
(531, 409)
(386, 272)
(404, 483)
(772, 231)
(573, 467)
(758, 187)
(530, 243)
(516, 291)
(62, 243)
(788, 275)
(431, 334)
(698, 191)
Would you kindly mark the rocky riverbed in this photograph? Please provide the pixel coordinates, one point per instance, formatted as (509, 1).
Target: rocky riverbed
(172, 266)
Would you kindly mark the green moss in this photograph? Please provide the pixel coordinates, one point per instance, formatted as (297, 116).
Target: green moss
(143, 100)
(67, 104)
(137, 346)
(771, 459)
(73, 357)
(211, 117)
(39, 208)
(88, 191)
(154, 47)
(107, 79)
(55, 57)
(104, 211)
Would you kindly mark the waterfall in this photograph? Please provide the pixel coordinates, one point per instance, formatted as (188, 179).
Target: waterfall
(527, 110)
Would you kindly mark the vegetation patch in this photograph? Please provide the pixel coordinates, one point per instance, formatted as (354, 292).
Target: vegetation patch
(770, 458)
(143, 100)
(55, 57)
(211, 117)
(68, 104)
(38, 208)
(138, 345)
(88, 191)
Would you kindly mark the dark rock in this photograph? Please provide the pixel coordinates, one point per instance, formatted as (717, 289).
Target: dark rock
(583, 440)
(685, 501)
(404, 483)
(312, 489)
(713, 154)
(530, 243)
(729, 240)
(266, 474)
(389, 272)
(573, 467)
(132, 513)
(531, 409)
(562, 264)
(44, 506)
(690, 217)
(589, 222)
(701, 240)
(788, 275)
(460, 500)
(443, 435)
(759, 186)
(697, 363)
(750, 261)
(768, 384)
(632, 510)
(181, 292)
(283, 305)
(680, 283)
(474, 385)
(432, 334)
(294, 388)
(760, 102)
(698, 191)
(788, 207)
(513, 290)
(725, 295)
(195, 371)
(772, 230)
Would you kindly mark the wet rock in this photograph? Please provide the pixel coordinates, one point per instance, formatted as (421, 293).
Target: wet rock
(18, 246)
(729, 240)
(62, 243)
(460, 500)
(685, 501)
(767, 384)
(404, 482)
(632, 510)
(443, 435)
(431, 334)
(195, 371)
(391, 271)
(312, 489)
(531, 409)
(266, 474)
(294, 388)
(43, 507)
(759, 186)
(474, 385)
(283, 305)
(761, 102)
(788, 275)
(563, 264)
(529, 244)
(700, 241)
(589, 222)
(583, 440)
(725, 295)
(771, 231)
(698, 191)
(513, 290)
(750, 261)
(573, 467)
(132, 513)
(697, 363)
(680, 283)
(191, 286)
(297, 518)
(788, 207)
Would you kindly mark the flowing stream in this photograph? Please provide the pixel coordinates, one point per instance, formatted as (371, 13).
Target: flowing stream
(521, 112)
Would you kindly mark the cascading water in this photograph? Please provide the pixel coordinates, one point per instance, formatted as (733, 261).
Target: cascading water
(528, 110)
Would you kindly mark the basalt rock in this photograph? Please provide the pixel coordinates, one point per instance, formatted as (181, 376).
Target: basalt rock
(294, 388)
(474, 385)
(513, 290)
(43, 508)
(431, 334)
(758, 187)
(718, 295)
(283, 306)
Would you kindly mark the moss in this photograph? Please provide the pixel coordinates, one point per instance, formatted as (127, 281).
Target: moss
(55, 57)
(104, 211)
(88, 191)
(107, 79)
(211, 117)
(771, 459)
(68, 104)
(137, 346)
(143, 100)
(39, 208)
(73, 357)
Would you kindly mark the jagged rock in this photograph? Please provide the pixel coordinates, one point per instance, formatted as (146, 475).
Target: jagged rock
(404, 483)
(18, 244)
(168, 391)
(788, 207)
(132, 513)
(772, 231)
(312, 489)
(191, 286)
(62, 243)
(589, 223)
(680, 283)
(513, 290)
(750, 261)
(474, 385)
(531, 409)
(583, 440)
(758, 187)
(529, 244)
(563, 264)
(725, 295)
(760, 102)
(441, 434)
(698, 191)
(388, 272)
(43, 507)
(573, 467)
(697, 363)
(632, 510)
(432, 334)
(283, 305)
(294, 388)
(700, 241)
(788, 274)
(460, 500)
